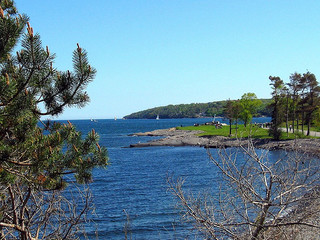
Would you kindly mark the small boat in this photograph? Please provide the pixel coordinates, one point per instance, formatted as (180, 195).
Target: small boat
(115, 118)
(158, 117)
(93, 120)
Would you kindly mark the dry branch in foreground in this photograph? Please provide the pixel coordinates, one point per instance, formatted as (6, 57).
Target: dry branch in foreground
(259, 197)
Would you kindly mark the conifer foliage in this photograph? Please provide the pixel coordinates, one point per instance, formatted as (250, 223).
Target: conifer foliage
(298, 101)
(36, 160)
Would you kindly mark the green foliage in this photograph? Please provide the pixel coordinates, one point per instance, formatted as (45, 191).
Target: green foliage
(193, 110)
(10, 28)
(35, 82)
(249, 105)
(38, 157)
(278, 106)
(296, 102)
(244, 132)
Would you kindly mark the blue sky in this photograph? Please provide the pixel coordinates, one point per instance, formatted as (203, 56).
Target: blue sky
(152, 53)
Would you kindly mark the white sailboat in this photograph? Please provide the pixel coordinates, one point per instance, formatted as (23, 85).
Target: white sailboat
(158, 117)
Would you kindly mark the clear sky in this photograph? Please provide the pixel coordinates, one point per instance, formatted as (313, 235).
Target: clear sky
(151, 53)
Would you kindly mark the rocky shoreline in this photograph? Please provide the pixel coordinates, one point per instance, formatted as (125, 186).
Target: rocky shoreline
(173, 137)
(311, 147)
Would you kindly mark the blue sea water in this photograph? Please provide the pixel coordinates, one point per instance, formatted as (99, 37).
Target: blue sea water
(135, 181)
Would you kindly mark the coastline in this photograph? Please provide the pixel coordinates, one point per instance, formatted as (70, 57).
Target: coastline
(177, 138)
(310, 147)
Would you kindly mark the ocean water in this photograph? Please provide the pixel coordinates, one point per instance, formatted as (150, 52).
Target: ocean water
(135, 182)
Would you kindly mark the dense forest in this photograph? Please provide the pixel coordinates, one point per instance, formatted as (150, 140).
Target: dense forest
(193, 110)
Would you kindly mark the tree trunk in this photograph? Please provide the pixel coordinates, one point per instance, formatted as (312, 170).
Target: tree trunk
(287, 115)
(308, 123)
(260, 223)
(293, 119)
(302, 122)
(236, 128)
(23, 236)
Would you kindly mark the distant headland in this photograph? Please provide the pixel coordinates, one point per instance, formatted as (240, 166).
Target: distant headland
(193, 110)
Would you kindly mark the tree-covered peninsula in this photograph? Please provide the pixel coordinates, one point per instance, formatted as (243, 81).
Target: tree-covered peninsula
(193, 110)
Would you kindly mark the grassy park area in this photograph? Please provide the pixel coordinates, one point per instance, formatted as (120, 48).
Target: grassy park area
(242, 131)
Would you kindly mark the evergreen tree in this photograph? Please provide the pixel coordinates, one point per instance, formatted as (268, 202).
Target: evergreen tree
(302, 100)
(288, 103)
(36, 159)
(294, 89)
(311, 99)
(277, 105)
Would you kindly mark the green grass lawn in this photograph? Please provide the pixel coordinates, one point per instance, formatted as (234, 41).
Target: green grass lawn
(305, 127)
(243, 132)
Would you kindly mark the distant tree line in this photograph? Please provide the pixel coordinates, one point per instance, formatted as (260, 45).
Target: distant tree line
(194, 110)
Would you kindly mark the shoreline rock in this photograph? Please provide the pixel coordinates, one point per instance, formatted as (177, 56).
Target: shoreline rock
(176, 138)
(310, 147)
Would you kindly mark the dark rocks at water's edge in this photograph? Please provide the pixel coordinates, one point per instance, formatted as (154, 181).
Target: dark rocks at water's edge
(173, 137)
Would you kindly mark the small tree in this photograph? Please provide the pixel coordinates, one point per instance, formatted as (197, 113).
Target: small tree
(35, 160)
(278, 106)
(232, 112)
(236, 110)
(228, 113)
(249, 105)
(294, 93)
(302, 100)
(312, 98)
